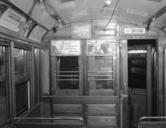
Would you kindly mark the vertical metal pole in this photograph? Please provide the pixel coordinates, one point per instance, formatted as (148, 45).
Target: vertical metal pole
(84, 77)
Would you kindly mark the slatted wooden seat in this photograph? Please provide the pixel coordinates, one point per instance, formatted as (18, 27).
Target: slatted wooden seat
(40, 117)
(60, 122)
(152, 122)
(100, 111)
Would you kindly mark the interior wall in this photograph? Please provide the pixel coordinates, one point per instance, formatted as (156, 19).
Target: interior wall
(45, 72)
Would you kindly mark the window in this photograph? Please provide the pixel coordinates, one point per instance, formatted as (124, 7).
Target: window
(65, 56)
(67, 72)
(21, 62)
(101, 66)
(4, 111)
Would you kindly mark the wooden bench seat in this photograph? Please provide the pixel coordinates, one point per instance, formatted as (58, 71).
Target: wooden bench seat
(58, 121)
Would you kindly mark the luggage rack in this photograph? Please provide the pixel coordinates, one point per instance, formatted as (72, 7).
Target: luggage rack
(152, 122)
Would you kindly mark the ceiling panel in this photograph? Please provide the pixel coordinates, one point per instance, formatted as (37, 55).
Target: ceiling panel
(43, 17)
(24, 5)
(132, 11)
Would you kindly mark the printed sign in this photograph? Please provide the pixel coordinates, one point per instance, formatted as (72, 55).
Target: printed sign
(130, 31)
(65, 47)
(12, 20)
(101, 47)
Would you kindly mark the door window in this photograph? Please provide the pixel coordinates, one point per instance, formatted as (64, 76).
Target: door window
(21, 62)
(101, 66)
(65, 56)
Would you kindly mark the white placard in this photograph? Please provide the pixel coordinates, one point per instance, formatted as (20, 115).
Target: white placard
(12, 20)
(101, 47)
(65, 47)
(134, 31)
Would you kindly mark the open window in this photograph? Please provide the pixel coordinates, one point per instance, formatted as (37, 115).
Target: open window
(65, 56)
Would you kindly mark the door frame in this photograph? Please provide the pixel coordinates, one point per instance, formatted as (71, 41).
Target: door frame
(30, 74)
(124, 107)
(161, 77)
(6, 43)
(124, 80)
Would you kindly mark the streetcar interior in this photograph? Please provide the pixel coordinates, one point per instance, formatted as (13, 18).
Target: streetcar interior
(82, 63)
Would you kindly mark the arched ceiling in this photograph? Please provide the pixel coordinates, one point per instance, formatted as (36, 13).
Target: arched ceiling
(70, 11)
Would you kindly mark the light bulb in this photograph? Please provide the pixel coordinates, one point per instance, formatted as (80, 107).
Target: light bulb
(108, 2)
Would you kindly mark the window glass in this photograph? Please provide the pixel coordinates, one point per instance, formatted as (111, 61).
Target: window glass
(101, 66)
(4, 111)
(20, 59)
(65, 67)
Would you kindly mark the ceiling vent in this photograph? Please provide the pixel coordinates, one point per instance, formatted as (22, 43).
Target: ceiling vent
(155, 0)
(67, 4)
(66, 1)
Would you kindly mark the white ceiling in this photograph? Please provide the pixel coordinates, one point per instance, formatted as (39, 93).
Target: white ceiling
(130, 11)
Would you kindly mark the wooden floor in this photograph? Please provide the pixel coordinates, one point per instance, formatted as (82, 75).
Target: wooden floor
(7, 126)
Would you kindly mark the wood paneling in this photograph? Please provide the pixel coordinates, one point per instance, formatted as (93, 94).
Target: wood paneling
(67, 109)
(67, 92)
(104, 92)
(123, 116)
(101, 109)
(72, 123)
(82, 99)
(160, 82)
(101, 121)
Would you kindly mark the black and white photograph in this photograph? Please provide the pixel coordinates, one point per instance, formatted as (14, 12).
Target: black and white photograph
(82, 63)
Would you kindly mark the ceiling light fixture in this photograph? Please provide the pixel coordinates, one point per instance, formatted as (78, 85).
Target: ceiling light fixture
(42, 5)
(60, 22)
(108, 2)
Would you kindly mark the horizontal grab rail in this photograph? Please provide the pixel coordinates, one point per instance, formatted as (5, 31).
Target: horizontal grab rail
(150, 118)
(46, 122)
(152, 122)
(81, 99)
(49, 118)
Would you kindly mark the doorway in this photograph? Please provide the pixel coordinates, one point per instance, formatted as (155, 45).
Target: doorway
(22, 79)
(141, 78)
